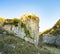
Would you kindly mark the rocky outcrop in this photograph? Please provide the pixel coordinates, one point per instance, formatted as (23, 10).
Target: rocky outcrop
(55, 40)
(49, 39)
(27, 27)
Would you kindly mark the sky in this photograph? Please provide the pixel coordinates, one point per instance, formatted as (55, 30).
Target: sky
(48, 11)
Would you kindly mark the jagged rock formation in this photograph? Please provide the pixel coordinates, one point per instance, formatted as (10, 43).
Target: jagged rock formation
(27, 27)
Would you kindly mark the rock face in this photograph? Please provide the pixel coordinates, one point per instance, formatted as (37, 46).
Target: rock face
(28, 28)
(15, 29)
(49, 39)
(55, 40)
(32, 23)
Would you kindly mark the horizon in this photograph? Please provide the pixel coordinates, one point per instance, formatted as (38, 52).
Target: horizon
(47, 11)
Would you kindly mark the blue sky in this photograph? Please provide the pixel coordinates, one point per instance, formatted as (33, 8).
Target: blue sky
(47, 10)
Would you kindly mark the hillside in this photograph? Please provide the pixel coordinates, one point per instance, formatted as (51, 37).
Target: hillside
(12, 44)
(51, 36)
(55, 30)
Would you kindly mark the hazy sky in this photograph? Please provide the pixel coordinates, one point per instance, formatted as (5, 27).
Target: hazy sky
(47, 10)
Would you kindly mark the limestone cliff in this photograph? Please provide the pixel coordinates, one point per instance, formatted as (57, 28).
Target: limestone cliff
(27, 27)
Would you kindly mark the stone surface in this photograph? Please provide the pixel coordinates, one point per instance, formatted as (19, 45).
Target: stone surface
(49, 39)
(55, 40)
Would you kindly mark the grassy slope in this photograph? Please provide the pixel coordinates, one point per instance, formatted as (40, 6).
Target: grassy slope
(16, 45)
(53, 50)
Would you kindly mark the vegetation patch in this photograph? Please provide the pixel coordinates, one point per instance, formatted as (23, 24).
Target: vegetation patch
(15, 22)
(26, 31)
